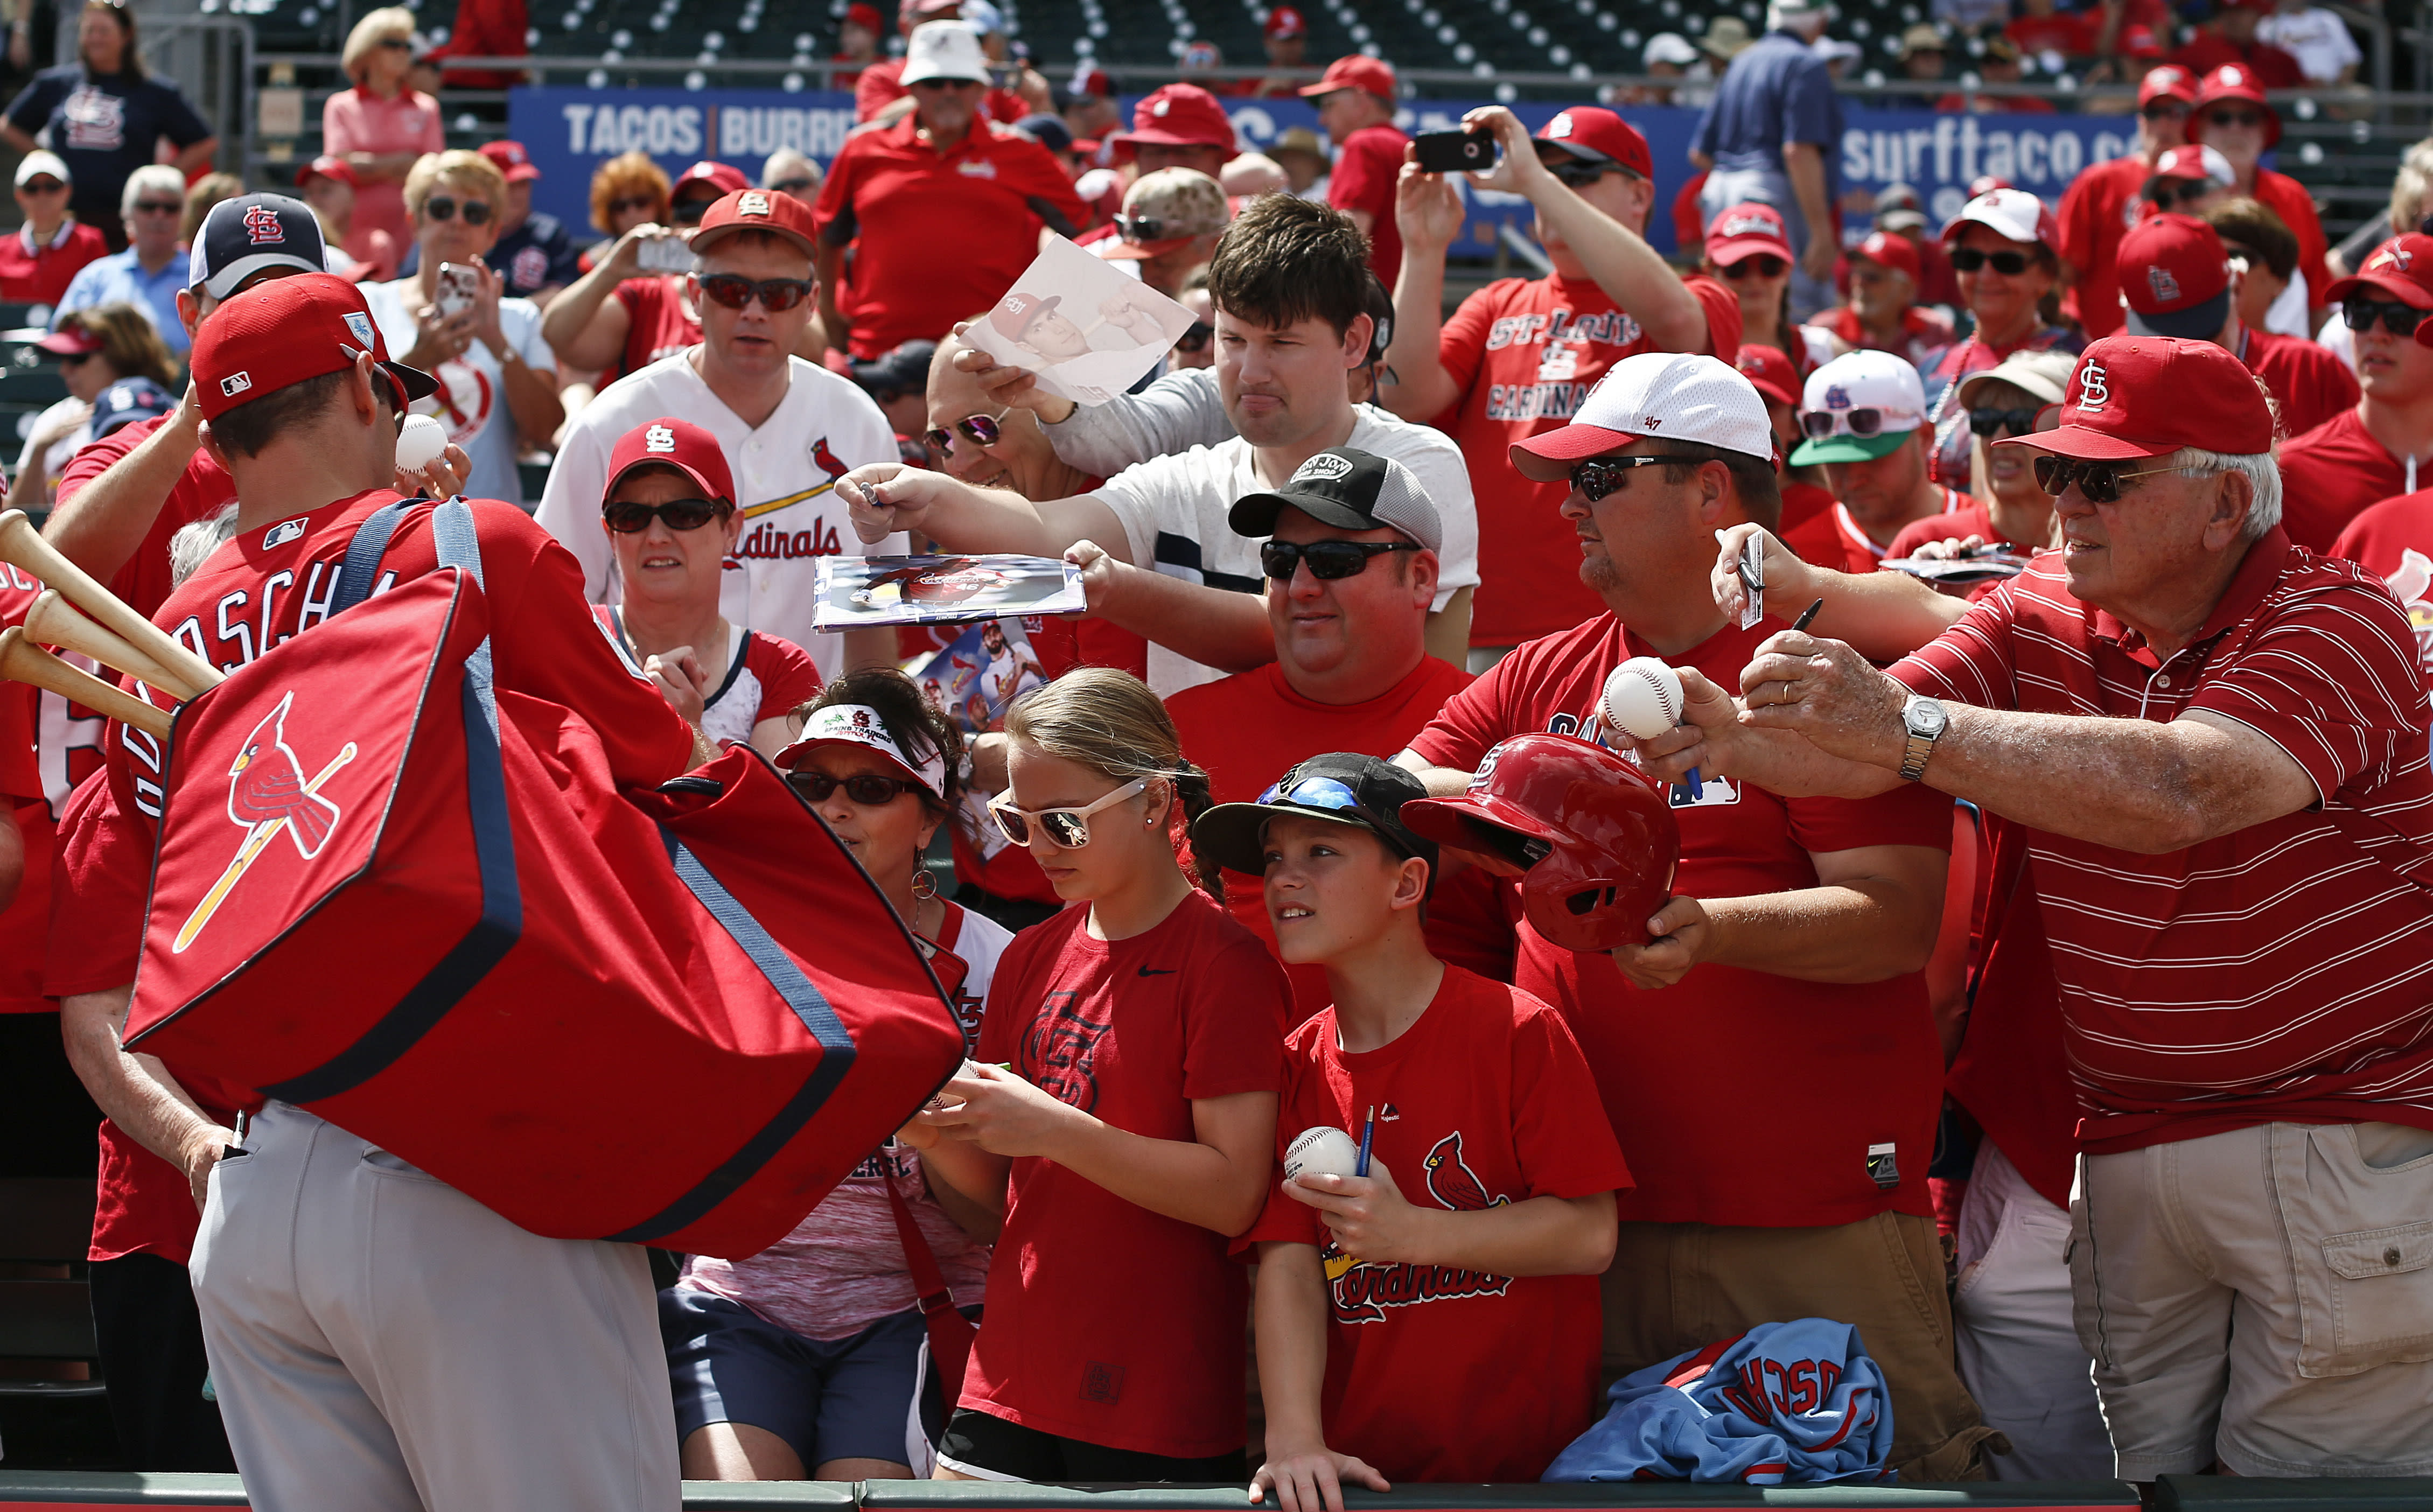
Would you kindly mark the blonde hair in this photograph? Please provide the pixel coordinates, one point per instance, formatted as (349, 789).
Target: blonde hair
(206, 191)
(470, 168)
(1110, 722)
(2412, 188)
(375, 29)
(129, 342)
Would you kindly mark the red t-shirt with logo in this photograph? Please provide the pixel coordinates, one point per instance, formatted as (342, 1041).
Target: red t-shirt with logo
(1365, 170)
(2097, 210)
(1107, 1322)
(1793, 1048)
(2312, 385)
(1525, 353)
(658, 325)
(2330, 475)
(2383, 540)
(1483, 1101)
(939, 236)
(1248, 729)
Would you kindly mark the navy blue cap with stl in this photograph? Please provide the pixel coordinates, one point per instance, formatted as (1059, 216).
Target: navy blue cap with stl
(242, 236)
(1047, 131)
(129, 400)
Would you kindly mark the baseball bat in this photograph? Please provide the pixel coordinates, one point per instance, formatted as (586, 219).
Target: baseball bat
(54, 622)
(23, 547)
(22, 661)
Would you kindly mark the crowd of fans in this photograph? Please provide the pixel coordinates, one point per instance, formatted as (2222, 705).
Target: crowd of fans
(2134, 960)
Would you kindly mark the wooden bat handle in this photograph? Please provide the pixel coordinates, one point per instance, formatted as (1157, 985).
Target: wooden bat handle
(23, 546)
(54, 622)
(22, 661)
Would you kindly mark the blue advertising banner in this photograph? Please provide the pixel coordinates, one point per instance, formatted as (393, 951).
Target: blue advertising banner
(570, 130)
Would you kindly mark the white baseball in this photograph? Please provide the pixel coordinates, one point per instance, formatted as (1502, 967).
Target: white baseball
(420, 443)
(1642, 698)
(1321, 1152)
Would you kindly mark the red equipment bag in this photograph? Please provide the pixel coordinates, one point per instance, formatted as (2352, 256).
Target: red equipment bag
(419, 908)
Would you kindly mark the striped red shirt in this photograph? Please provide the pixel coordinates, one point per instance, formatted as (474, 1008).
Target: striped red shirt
(2283, 971)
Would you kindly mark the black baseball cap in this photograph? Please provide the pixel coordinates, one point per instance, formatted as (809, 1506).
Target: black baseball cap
(242, 236)
(1342, 786)
(902, 370)
(128, 401)
(1348, 488)
(1050, 131)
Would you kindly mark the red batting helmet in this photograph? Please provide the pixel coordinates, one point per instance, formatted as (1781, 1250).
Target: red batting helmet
(1596, 837)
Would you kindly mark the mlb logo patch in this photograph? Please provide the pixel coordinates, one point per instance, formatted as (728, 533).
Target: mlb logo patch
(361, 324)
(281, 534)
(235, 384)
(660, 439)
(263, 228)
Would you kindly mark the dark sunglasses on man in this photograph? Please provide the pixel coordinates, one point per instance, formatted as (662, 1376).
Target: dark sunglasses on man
(793, 186)
(1971, 259)
(630, 518)
(2398, 318)
(979, 429)
(690, 212)
(1329, 561)
(1575, 173)
(1599, 476)
(443, 207)
(2099, 482)
(2233, 118)
(2165, 109)
(735, 291)
(2170, 194)
(1142, 228)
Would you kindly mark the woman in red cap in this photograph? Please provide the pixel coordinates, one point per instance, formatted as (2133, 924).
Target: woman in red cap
(96, 347)
(2006, 250)
(2233, 118)
(671, 518)
(1748, 249)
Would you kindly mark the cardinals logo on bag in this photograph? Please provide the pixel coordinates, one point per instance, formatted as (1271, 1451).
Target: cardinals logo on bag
(268, 792)
(1361, 1292)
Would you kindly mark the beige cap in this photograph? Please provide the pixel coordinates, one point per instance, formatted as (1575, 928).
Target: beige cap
(1165, 210)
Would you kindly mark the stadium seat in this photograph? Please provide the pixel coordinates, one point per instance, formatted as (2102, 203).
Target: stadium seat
(47, 1224)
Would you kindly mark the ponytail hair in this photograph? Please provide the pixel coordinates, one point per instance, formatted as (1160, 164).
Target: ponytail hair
(1110, 722)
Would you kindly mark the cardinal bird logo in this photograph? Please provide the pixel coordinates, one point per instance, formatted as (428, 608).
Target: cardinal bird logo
(1451, 1182)
(1361, 1291)
(268, 792)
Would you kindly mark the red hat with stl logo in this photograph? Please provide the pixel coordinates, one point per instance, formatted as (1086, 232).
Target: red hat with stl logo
(756, 210)
(2175, 277)
(1178, 115)
(509, 158)
(2168, 82)
(277, 334)
(2228, 85)
(1596, 135)
(724, 178)
(1886, 250)
(1353, 71)
(2129, 399)
(668, 442)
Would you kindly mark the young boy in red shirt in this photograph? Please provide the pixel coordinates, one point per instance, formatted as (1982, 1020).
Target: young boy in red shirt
(1391, 1307)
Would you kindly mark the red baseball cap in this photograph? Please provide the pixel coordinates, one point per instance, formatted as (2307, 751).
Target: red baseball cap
(2196, 160)
(2176, 278)
(756, 210)
(1091, 83)
(1748, 229)
(277, 334)
(722, 176)
(1178, 115)
(2232, 82)
(2401, 267)
(1770, 373)
(2129, 398)
(1353, 71)
(1283, 21)
(1893, 250)
(1598, 135)
(668, 442)
(864, 16)
(71, 343)
(328, 166)
(2171, 81)
(509, 158)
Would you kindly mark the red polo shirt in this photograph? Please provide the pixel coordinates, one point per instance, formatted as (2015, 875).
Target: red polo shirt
(1524, 353)
(1366, 171)
(938, 236)
(2331, 474)
(39, 275)
(2382, 540)
(1785, 1143)
(2273, 973)
(2097, 210)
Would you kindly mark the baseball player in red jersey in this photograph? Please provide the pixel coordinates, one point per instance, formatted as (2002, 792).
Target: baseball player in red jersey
(378, 1339)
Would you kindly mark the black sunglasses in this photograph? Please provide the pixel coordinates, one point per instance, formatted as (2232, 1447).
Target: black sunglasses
(793, 186)
(1600, 476)
(440, 206)
(1575, 173)
(690, 212)
(627, 519)
(735, 291)
(1137, 229)
(2099, 481)
(1328, 560)
(867, 790)
(1860, 422)
(2233, 118)
(1994, 422)
(2169, 192)
(1762, 266)
(161, 207)
(1195, 339)
(2397, 318)
(44, 186)
(979, 429)
(1970, 258)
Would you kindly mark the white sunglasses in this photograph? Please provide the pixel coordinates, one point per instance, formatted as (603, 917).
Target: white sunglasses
(1069, 828)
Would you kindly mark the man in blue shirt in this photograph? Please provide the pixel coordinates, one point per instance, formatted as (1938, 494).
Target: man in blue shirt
(153, 268)
(1771, 134)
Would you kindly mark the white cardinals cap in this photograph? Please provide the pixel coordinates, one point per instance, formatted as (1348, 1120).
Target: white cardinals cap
(1860, 406)
(944, 49)
(1667, 395)
(860, 725)
(2014, 215)
(36, 164)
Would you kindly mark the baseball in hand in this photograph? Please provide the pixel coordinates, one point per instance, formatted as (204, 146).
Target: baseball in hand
(420, 443)
(1642, 698)
(1321, 1152)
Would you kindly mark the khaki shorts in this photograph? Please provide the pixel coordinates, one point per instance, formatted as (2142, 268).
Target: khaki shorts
(2262, 1296)
(1673, 1287)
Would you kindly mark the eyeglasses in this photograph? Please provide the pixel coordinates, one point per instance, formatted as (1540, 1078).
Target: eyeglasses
(1600, 476)
(399, 43)
(793, 186)
(690, 212)
(867, 791)
(2397, 318)
(979, 429)
(1328, 560)
(2168, 193)
(442, 207)
(2099, 481)
(44, 186)
(2233, 118)
(625, 203)
(77, 359)
(1137, 229)
(161, 207)
(1762, 266)
(1573, 173)
(630, 518)
(1195, 340)
(1994, 422)
(1066, 828)
(1970, 258)
(735, 291)
(1822, 423)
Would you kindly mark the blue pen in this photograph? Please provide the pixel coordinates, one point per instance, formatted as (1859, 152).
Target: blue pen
(1368, 1139)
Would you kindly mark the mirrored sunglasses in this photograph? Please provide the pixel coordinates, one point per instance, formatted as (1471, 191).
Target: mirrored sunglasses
(979, 429)
(1066, 828)
(735, 291)
(1822, 423)
(1599, 476)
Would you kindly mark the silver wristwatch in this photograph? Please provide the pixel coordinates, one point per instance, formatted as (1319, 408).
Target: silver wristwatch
(1925, 720)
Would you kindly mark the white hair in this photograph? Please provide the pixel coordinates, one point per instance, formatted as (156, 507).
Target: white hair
(196, 540)
(152, 175)
(2261, 472)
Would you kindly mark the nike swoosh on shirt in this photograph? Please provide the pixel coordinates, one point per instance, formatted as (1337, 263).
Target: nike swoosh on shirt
(1159, 971)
